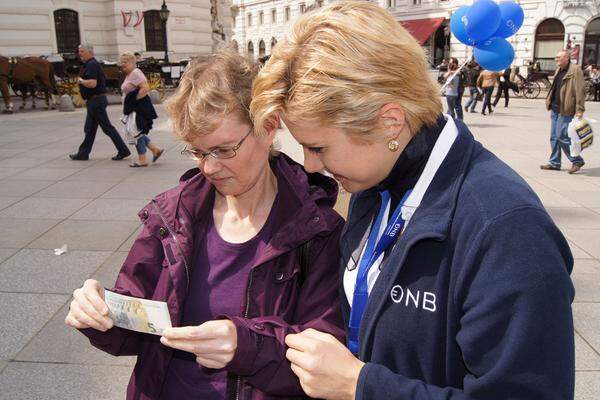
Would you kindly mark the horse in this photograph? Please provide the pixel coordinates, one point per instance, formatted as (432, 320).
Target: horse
(27, 70)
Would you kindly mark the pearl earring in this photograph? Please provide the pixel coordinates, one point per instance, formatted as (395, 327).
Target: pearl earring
(393, 145)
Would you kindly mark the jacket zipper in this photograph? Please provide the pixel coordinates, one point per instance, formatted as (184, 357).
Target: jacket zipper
(187, 268)
(246, 312)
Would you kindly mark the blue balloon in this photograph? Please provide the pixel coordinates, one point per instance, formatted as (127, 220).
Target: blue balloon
(511, 19)
(457, 25)
(494, 54)
(482, 20)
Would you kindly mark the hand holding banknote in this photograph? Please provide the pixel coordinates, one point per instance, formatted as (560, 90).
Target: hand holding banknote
(88, 309)
(214, 342)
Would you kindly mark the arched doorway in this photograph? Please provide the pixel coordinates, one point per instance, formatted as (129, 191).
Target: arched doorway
(441, 44)
(549, 40)
(251, 51)
(66, 25)
(591, 52)
(262, 50)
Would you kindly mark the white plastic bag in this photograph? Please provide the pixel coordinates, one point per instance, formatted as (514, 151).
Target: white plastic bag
(131, 129)
(581, 135)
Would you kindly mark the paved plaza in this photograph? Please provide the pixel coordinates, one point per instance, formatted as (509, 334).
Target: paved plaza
(47, 200)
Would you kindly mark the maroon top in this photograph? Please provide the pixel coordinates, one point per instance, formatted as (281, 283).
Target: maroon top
(219, 279)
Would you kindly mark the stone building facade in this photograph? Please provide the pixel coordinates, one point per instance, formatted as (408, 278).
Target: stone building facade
(549, 26)
(50, 27)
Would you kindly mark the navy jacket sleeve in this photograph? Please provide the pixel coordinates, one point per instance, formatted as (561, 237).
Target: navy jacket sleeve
(516, 325)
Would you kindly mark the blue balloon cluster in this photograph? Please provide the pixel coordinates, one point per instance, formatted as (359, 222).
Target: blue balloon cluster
(485, 25)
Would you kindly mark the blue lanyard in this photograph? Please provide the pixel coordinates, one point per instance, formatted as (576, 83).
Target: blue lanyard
(373, 250)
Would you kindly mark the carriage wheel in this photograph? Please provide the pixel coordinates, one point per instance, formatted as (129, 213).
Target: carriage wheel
(532, 90)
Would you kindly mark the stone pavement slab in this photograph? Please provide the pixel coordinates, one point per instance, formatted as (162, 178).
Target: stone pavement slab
(47, 173)
(6, 253)
(587, 385)
(131, 188)
(587, 266)
(20, 188)
(587, 323)
(34, 381)
(86, 235)
(571, 217)
(108, 271)
(112, 209)
(7, 201)
(41, 271)
(75, 189)
(37, 207)
(7, 172)
(587, 239)
(22, 316)
(587, 359)
(28, 230)
(57, 343)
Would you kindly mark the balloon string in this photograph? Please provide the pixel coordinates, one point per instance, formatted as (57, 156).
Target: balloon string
(455, 73)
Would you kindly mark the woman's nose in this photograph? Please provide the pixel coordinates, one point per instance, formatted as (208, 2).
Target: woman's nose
(209, 165)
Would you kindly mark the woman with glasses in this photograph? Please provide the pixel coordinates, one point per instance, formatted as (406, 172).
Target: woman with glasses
(244, 252)
(454, 279)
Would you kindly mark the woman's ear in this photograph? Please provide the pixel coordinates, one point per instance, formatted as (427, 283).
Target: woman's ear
(271, 124)
(392, 120)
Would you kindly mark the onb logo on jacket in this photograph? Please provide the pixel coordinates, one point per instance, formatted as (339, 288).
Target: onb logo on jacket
(418, 299)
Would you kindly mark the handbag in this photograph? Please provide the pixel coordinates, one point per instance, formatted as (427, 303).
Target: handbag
(581, 135)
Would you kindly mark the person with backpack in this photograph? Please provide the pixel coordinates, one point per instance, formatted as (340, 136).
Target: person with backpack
(244, 251)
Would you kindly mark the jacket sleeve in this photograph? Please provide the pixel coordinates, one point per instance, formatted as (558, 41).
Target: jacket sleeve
(260, 356)
(579, 82)
(137, 278)
(516, 328)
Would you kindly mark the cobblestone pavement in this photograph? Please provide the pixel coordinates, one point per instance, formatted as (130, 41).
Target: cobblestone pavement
(47, 200)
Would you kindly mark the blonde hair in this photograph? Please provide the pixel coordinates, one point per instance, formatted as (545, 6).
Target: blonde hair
(128, 57)
(210, 89)
(339, 65)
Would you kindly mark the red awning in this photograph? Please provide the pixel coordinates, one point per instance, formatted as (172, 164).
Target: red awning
(422, 29)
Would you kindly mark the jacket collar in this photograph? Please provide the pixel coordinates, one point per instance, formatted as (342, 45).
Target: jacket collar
(304, 197)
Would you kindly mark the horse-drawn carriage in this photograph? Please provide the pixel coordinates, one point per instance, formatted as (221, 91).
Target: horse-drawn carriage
(38, 77)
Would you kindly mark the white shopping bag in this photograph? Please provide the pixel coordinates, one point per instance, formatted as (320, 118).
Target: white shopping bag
(581, 135)
(131, 128)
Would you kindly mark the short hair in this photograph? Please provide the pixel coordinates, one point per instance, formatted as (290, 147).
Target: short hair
(339, 65)
(211, 88)
(137, 53)
(87, 46)
(128, 57)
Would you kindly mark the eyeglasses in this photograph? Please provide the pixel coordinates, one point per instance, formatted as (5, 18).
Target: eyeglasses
(219, 154)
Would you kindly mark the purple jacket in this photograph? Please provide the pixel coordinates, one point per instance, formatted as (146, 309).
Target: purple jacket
(280, 298)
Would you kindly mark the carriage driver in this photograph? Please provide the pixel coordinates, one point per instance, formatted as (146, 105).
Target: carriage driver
(92, 85)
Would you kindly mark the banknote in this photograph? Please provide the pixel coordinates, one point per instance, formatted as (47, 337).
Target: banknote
(141, 315)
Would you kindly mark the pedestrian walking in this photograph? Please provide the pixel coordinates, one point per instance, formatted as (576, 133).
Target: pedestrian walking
(136, 100)
(503, 86)
(565, 100)
(487, 82)
(462, 78)
(454, 279)
(244, 251)
(452, 91)
(473, 71)
(92, 86)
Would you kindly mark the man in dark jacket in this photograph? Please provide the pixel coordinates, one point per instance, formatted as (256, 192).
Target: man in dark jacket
(503, 86)
(471, 82)
(92, 86)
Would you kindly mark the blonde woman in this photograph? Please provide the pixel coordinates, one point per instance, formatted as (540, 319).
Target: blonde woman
(135, 99)
(244, 251)
(454, 279)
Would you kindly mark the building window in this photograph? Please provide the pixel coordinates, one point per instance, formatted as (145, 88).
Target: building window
(549, 40)
(273, 15)
(66, 25)
(249, 19)
(261, 18)
(416, 2)
(391, 3)
(302, 8)
(262, 49)
(155, 36)
(251, 51)
(287, 14)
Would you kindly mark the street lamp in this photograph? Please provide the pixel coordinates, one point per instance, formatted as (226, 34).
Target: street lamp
(164, 16)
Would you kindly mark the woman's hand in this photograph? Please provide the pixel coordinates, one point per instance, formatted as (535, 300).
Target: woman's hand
(325, 367)
(88, 309)
(214, 342)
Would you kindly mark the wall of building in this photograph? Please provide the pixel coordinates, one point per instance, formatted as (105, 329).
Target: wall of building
(27, 27)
